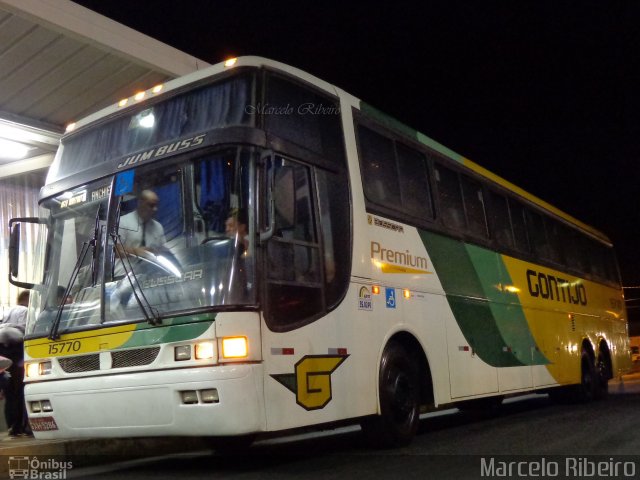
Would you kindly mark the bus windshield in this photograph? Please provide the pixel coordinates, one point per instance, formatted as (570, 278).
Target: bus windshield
(172, 237)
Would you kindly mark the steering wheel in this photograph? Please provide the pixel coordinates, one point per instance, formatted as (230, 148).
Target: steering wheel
(215, 238)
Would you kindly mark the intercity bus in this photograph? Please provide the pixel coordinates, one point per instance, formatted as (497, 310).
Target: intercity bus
(380, 274)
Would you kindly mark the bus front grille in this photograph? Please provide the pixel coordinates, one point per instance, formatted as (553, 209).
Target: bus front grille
(119, 359)
(134, 358)
(82, 363)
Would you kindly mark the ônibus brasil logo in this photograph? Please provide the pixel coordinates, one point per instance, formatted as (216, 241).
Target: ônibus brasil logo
(35, 468)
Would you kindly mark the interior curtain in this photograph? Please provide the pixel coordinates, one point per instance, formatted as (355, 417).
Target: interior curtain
(18, 198)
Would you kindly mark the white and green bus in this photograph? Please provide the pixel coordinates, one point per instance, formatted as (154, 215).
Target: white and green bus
(378, 274)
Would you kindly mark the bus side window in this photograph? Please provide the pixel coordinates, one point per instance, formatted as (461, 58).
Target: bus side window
(553, 230)
(335, 224)
(537, 234)
(414, 182)
(520, 237)
(474, 207)
(500, 221)
(379, 170)
(452, 210)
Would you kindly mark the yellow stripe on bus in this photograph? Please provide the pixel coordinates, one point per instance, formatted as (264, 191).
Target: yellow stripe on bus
(535, 200)
(390, 268)
(80, 343)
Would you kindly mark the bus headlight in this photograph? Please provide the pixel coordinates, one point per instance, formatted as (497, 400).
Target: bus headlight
(235, 347)
(204, 350)
(36, 369)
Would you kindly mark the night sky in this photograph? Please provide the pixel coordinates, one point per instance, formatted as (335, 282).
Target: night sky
(545, 94)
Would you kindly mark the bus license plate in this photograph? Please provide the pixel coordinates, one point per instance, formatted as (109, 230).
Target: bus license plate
(43, 424)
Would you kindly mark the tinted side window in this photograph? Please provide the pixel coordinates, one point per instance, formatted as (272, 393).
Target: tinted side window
(554, 238)
(380, 175)
(452, 210)
(500, 221)
(304, 117)
(537, 234)
(414, 182)
(516, 211)
(335, 223)
(474, 207)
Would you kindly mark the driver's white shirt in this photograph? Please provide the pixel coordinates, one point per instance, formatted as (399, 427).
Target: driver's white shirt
(131, 229)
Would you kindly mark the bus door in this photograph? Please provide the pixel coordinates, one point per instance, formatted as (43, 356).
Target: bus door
(300, 346)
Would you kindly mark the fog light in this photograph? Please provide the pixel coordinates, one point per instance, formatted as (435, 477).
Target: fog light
(44, 368)
(36, 407)
(189, 396)
(235, 347)
(46, 406)
(210, 396)
(204, 350)
(183, 352)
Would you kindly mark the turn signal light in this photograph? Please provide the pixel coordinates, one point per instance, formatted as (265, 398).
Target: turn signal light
(235, 347)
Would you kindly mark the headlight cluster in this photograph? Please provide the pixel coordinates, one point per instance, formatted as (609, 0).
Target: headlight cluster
(199, 351)
(38, 369)
(230, 348)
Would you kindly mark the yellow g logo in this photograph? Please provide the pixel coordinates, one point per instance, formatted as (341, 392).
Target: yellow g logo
(311, 381)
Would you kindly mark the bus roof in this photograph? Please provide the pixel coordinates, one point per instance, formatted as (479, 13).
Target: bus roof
(388, 121)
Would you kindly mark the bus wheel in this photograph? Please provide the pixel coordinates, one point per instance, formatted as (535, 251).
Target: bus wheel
(399, 401)
(588, 379)
(602, 377)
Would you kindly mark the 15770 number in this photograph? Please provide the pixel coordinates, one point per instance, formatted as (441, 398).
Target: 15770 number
(64, 347)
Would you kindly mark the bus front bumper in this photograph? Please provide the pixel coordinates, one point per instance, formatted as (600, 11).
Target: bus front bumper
(151, 403)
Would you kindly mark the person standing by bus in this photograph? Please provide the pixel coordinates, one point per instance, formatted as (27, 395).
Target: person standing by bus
(12, 347)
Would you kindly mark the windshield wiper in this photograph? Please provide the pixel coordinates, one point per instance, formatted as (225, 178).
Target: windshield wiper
(150, 314)
(92, 242)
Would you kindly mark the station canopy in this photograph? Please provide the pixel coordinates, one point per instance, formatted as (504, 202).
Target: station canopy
(60, 62)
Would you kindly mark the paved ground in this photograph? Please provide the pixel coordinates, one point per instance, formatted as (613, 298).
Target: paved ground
(95, 451)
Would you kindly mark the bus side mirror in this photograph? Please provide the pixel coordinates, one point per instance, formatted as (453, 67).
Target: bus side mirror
(15, 226)
(14, 251)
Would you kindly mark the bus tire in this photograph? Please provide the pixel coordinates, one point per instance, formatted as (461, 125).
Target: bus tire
(586, 390)
(602, 376)
(399, 392)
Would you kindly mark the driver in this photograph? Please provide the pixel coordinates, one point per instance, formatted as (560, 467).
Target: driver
(236, 227)
(139, 232)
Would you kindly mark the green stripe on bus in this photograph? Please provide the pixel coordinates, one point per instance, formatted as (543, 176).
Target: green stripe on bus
(505, 306)
(491, 321)
(183, 329)
(388, 121)
(413, 134)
